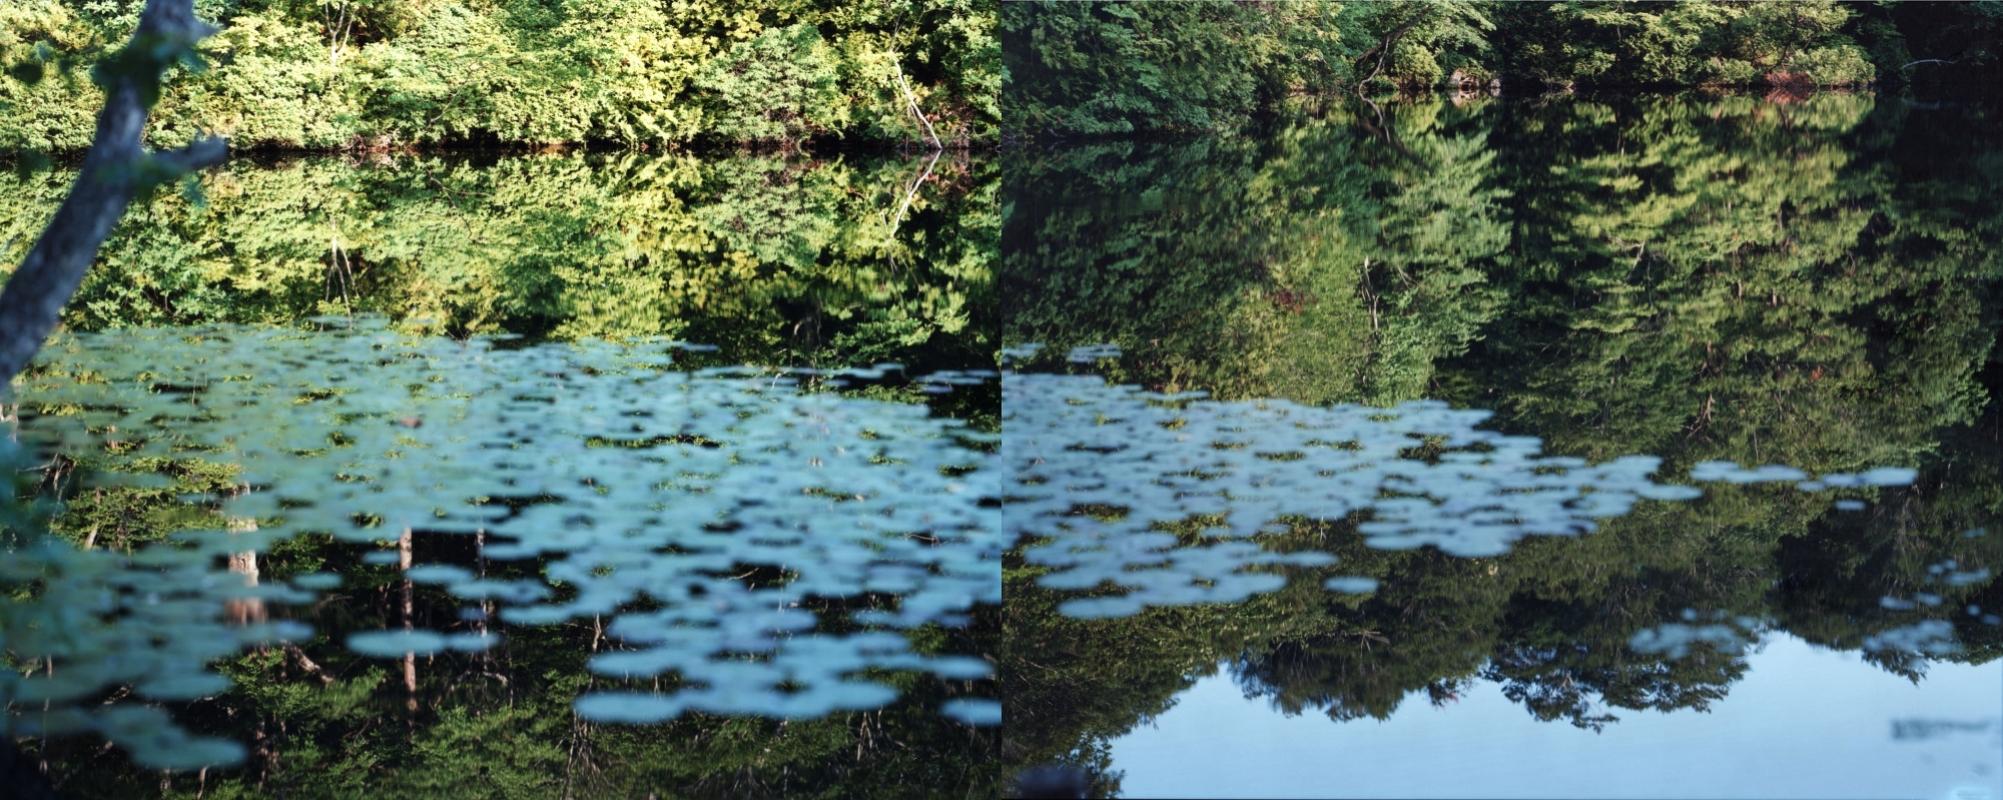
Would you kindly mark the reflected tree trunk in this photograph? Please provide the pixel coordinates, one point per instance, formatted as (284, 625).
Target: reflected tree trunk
(403, 561)
(245, 610)
(486, 603)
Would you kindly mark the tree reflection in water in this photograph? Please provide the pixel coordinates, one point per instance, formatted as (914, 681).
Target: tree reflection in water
(1701, 280)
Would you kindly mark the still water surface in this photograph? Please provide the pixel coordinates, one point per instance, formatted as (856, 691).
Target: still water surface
(537, 476)
(1685, 478)
(1546, 447)
(1781, 734)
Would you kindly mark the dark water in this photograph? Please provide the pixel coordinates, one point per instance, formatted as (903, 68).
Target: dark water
(1638, 447)
(1745, 320)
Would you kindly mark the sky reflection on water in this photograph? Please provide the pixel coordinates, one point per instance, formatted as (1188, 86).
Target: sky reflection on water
(1806, 721)
(1775, 321)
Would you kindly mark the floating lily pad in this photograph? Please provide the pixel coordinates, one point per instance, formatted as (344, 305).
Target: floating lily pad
(317, 581)
(396, 644)
(632, 708)
(1100, 473)
(977, 712)
(633, 485)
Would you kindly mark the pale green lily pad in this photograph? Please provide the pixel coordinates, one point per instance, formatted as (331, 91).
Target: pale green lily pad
(652, 487)
(1102, 472)
(976, 712)
(396, 644)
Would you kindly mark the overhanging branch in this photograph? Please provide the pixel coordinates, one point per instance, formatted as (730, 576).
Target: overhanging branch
(114, 169)
(206, 152)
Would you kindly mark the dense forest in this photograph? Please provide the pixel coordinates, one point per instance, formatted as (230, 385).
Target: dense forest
(775, 260)
(637, 73)
(1111, 68)
(646, 73)
(1723, 254)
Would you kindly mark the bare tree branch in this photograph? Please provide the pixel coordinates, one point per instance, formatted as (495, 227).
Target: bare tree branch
(913, 100)
(116, 168)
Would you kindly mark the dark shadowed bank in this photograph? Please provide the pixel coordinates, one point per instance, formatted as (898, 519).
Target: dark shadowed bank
(1100, 69)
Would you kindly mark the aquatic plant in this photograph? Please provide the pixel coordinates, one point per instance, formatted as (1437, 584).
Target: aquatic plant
(641, 493)
(1101, 473)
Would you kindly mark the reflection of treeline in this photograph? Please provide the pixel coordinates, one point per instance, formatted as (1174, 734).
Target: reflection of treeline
(639, 73)
(1553, 623)
(1317, 263)
(1790, 283)
(774, 260)
(321, 721)
(1803, 283)
(1117, 68)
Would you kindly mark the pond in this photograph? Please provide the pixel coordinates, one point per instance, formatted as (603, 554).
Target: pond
(1569, 446)
(1529, 447)
(524, 476)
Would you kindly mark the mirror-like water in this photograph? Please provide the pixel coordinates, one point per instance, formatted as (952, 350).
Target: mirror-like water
(1473, 449)
(1562, 446)
(1779, 735)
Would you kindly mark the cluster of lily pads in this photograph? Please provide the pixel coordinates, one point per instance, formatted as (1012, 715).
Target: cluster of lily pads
(1101, 475)
(645, 494)
(77, 622)
(633, 485)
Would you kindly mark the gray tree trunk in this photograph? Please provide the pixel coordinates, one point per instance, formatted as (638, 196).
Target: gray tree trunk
(115, 169)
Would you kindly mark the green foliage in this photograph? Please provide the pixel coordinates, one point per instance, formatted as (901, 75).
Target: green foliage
(638, 73)
(1098, 69)
(276, 86)
(40, 108)
(1759, 266)
(1342, 266)
(777, 261)
(780, 86)
(1752, 269)
(1417, 44)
